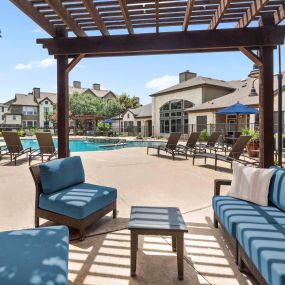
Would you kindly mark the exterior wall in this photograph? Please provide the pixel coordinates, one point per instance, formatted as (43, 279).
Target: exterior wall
(9, 119)
(3, 110)
(193, 95)
(192, 119)
(17, 110)
(45, 104)
(210, 93)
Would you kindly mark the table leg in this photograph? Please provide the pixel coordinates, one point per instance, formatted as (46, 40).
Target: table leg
(134, 249)
(180, 251)
(174, 243)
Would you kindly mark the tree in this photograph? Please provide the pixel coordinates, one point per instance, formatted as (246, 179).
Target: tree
(128, 102)
(112, 108)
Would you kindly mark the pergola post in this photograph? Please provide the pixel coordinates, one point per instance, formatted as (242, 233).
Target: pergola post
(266, 105)
(62, 100)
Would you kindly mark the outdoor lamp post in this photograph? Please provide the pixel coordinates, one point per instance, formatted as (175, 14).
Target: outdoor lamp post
(253, 90)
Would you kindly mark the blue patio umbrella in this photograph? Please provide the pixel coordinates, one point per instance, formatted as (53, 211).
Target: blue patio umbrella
(109, 121)
(238, 109)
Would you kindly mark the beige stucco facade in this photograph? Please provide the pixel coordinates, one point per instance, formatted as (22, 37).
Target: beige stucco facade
(13, 119)
(45, 106)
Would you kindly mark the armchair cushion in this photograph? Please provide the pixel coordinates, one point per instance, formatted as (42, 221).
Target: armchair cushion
(231, 212)
(59, 174)
(265, 246)
(277, 188)
(78, 201)
(36, 256)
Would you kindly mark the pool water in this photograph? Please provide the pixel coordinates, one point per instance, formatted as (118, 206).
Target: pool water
(84, 145)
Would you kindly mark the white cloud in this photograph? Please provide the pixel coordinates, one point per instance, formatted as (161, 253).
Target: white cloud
(162, 82)
(45, 63)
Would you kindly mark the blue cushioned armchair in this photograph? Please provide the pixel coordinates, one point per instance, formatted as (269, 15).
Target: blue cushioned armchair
(63, 196)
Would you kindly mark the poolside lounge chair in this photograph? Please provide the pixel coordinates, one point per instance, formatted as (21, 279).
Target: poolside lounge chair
(14, 147)
(234, 154)
(170, 146)
(211, 142)
(190, 144)
(46, 145)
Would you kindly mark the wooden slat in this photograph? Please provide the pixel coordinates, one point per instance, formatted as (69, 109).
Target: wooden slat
(93, 11)
(27, 8)
(157, 15)
(57, 6)
(279, 15)
(189, 9)
(126, 16)
(222, 8)
(252, 12)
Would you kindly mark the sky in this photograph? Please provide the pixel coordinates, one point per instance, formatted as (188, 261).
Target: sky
(25, 64)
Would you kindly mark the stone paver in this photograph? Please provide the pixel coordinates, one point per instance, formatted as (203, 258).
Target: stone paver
(104, 257)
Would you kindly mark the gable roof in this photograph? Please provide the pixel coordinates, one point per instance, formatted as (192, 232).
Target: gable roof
(47, 95)
(195, 82)
(239, 95)
(98, 93)
(24, 100)
(143, 111)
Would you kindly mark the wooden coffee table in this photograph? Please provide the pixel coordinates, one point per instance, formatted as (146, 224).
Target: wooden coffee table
(165, 221)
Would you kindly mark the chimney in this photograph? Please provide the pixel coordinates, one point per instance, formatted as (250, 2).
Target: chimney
(76, 84)
(96, 86)
(186, 75)
(36, 93)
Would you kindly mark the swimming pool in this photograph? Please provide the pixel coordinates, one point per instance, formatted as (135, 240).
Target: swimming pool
(77, 145)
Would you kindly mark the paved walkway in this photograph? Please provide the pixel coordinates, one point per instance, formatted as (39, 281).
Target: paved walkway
(103, 257)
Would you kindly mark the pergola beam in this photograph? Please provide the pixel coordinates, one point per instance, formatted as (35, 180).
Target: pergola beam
(27, 8)
(251, 55)
(251, 13)
(94, 14)
(73, 62)
(157, 15)
(165, 43)
(279, 15)
(126, 16)
(188, 13)
(219, 14)
(57, 6)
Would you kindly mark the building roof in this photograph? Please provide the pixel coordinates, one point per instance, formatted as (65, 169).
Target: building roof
(240, 95)
(24, 100)
(194, 82)
(143, 111)
(98, 93)
(49, 95)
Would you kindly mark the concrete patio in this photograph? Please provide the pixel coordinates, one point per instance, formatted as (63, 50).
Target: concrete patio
(104, 256)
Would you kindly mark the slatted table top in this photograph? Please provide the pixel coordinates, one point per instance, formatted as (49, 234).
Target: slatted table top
(156, 218)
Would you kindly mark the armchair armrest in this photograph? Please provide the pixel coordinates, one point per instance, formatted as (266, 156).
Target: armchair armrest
(220, 182)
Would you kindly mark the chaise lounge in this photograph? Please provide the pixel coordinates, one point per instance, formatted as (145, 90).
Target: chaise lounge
(255, 233)
(63, 196)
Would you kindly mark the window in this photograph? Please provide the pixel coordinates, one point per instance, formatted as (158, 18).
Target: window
(139, 126)
(201, 122)
(46, 102)
(46, 110)
(2, 109)
(128, 116)
(29, 110)
(14, 118)
(173, 118)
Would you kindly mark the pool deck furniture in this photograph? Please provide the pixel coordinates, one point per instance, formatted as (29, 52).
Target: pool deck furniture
(256, 234)
(14, 147)
(34, 256)
(234, 154)
(63, 196)
(164, 221)
(211, 142)
(46, 147)
(190, 144)
(170, 147)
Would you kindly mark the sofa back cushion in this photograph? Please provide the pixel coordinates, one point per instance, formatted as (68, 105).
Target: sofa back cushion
(277, 188)
(61, 173)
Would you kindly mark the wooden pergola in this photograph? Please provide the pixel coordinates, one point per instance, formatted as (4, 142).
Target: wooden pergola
(99, 28)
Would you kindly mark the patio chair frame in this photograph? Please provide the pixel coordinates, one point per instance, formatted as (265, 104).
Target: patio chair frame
(241, 258)
(43, 150)
(231, 157)
(190, 144)
(14, 151)
(79, 224)
(170, 147)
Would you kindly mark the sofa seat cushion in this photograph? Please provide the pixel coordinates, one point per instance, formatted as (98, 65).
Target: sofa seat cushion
(78, 201)
(265, 246)
(61, 173)
(37, 256)
(232, 211)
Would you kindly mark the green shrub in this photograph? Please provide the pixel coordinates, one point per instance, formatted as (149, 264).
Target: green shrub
(103, 127)
(21, 133)
(204, 136)
(33, 131)
(139, 137)
(253, 133)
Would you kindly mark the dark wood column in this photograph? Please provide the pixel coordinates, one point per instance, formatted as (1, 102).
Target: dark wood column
(62, 101)
(266, 100)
